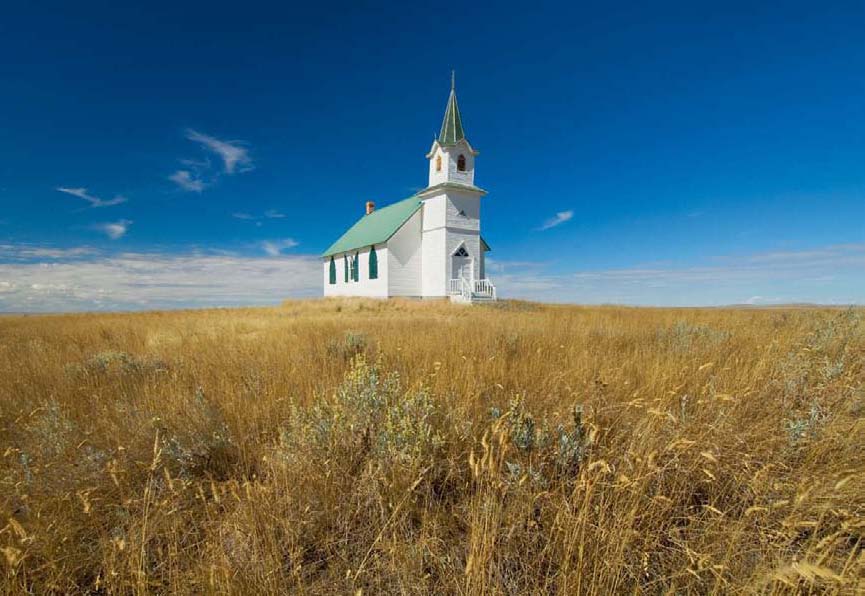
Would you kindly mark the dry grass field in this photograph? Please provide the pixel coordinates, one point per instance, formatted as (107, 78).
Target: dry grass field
(371, 447)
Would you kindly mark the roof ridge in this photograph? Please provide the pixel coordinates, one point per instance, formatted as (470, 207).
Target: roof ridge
(394, 204)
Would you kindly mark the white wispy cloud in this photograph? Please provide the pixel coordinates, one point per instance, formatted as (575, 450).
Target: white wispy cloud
(830, 275)
(560, 218)
(94, 201)
(114, 229)
(269, 214)
(196, 164)
(137, 281)
(496, 266)
(188, 181)
(235, 157)
(44, 278)
(275, 247)
(27, 252)
(199, 174)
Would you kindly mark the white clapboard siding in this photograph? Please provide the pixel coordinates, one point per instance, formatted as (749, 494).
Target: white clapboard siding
(404, 259)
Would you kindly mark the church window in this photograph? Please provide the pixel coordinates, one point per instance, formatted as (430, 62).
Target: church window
(461, 252)
(373, 264)
(345, 267)
(355, 269)
(332, 278)
(461, 163)
(438, 163)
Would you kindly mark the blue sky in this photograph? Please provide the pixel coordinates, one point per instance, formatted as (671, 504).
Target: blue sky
(169, 155)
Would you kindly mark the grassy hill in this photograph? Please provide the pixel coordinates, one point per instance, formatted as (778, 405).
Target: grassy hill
(403, 447)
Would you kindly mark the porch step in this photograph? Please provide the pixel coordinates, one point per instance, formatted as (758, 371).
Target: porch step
(475, 298)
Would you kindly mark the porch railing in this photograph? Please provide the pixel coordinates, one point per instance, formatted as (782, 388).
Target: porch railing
(468, 290)
(485, 288)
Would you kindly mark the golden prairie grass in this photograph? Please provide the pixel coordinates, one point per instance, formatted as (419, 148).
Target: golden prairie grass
(399, 447)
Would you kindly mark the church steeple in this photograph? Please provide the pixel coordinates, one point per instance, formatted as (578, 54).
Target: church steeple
(452, 125)
(451, 157)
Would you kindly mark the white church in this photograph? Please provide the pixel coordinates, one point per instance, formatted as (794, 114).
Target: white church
(426, 246)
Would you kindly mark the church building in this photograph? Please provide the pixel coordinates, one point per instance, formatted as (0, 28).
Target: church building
(426, 246)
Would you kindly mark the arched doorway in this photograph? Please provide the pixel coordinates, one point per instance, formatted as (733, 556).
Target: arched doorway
(462, 265)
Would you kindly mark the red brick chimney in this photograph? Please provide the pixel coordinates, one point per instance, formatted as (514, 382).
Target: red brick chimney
(370, 207)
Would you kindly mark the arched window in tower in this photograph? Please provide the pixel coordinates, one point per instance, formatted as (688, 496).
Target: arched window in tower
(461, 163)
(438, 163)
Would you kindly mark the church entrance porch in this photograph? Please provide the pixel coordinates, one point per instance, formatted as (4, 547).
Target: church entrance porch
(463, 287)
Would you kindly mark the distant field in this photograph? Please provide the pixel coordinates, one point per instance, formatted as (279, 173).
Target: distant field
(403, 447)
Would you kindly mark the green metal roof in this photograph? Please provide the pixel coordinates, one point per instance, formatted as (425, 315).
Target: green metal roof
(452, 125)
(375, 228)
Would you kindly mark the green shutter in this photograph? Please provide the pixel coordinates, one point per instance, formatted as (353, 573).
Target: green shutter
(373, 263)
(345, 259)
(356, 269)
(332, 271)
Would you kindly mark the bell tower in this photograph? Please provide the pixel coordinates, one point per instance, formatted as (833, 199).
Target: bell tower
(451, 158)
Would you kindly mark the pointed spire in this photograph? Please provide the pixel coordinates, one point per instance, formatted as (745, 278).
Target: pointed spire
(452, 125)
